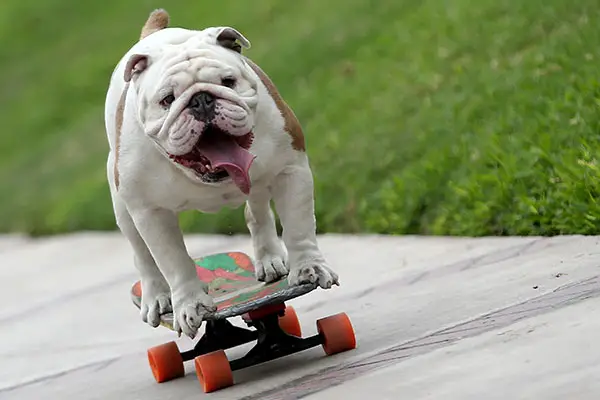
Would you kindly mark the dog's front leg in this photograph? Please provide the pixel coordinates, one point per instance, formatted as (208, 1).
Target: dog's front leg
(156, 295)
(293, 194)
(160, 230)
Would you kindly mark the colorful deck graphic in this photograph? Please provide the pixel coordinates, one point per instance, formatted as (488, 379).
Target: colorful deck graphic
(232, 284)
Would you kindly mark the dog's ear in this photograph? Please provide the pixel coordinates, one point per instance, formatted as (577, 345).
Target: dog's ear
(136, 64)
(157, 20)
(232, 39)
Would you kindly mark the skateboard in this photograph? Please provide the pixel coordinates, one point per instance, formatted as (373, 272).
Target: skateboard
(272, 325)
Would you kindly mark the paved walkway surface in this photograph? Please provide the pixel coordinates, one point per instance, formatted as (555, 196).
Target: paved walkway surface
(435, 318)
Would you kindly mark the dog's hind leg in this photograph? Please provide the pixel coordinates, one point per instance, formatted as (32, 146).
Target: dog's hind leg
(269, 253)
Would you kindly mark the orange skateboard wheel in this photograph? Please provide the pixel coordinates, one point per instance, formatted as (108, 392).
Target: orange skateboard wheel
(290, 323)
(337, 332)
(213, 371)
(166, 362)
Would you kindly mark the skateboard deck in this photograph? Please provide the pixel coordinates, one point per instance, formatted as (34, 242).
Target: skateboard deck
(272, 326)
(232, 284)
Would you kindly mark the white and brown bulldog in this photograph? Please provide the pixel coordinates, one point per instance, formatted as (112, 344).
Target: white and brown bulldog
(194, 124)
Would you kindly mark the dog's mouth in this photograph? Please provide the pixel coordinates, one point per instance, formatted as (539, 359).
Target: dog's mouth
(218, 156)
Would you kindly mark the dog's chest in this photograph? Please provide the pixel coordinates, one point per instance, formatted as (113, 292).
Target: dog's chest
(182, 195)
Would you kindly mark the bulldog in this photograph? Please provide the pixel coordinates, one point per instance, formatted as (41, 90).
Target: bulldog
(194, 124)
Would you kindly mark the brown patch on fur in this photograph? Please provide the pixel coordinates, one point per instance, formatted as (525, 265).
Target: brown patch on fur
(158, 19)
(119, 125)
(292, 125)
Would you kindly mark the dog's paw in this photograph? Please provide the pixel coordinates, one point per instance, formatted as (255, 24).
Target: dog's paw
(270, 267)
(313, 271)
(191, 303)
(156, 301)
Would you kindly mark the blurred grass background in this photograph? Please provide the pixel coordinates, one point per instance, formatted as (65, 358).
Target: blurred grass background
(463, 117)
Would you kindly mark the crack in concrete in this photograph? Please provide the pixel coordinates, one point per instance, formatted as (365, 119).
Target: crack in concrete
(96, 366)
(65, 298)
(332, 376)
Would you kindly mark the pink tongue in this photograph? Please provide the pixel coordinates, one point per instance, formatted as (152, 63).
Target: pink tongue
(227, 154)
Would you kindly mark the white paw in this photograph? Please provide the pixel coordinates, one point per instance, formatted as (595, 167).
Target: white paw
(270, 267)
(190, 304)
(156, 300)
(313, 271)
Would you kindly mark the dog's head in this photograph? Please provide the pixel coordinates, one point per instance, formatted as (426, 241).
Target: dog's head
(196, 98)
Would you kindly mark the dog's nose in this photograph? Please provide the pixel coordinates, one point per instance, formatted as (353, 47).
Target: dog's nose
(202, 105)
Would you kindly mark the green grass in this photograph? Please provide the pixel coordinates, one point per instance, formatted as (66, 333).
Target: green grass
(463, 117)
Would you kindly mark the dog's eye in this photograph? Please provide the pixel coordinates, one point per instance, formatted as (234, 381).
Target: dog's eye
(167, 100)
(228, 82)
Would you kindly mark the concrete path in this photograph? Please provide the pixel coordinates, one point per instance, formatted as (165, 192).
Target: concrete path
(435, 318)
